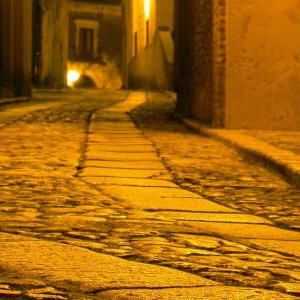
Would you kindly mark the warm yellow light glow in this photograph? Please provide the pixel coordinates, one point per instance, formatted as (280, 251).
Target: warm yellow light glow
(147, 8)
(72, 76)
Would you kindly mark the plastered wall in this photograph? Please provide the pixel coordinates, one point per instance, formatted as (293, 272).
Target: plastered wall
(263, 64)
(149, 65)
(15, 48)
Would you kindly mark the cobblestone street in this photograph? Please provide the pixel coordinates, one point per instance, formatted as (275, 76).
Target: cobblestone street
(78, 172)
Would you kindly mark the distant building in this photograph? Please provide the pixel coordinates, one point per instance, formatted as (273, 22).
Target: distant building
(238, 62)
(15, 47)
(78, 35)
(149, 43)
(95, 42)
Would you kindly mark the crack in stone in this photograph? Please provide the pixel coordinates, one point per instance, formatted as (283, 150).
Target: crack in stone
(84, 144)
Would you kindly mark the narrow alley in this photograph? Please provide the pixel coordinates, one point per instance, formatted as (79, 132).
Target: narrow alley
(149, 150)
(105, 195)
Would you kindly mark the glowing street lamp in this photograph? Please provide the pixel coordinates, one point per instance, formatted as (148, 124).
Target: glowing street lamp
(72, 77)
(147, 9)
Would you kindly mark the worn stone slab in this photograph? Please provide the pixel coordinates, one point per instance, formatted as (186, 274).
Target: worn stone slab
(289, 287)
(113, 181)
(78, 269)
(106, 124)
(112, 116)
(96, 138)
(290, 247)
(6, 237)
(122, 173)
(90, 154)
(247, 231)
(122, 136)
(199, 293)
(135, 165)
(210, 217)
(112, 125)
(164, 198)
(122, 148)
(113, 131)
(133, 100)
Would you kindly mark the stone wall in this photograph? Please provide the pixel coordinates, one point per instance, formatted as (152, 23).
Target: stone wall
(15, 47)
(263, 70)
(54, 43)
(150, 63)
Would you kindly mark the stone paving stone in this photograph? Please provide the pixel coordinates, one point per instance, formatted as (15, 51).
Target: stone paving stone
(133, 100)
(113, 181)
(75, 211)
(248, 231)
(214, 170)
(112, 125)
(120, 173)
(287, 140)
(110, 116)
(122, 148)
(291, 288)
(164, 198)
(290, 247)
(10, 293)
(82, 270)
(113, 131)
(135, 165)
(200, 293)
(96, 138)
(90, 154)
(210, 217)
(122, 136)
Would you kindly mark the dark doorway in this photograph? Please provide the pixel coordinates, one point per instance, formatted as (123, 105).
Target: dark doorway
(86, 43)
(36, 42)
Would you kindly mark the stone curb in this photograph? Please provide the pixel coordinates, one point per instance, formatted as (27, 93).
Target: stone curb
(13, 100)
(284, 162)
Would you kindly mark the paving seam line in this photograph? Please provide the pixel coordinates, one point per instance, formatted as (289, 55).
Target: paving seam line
(268, 158)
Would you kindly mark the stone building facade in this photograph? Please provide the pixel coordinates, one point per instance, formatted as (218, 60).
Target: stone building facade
(149, 43)
(51, 58)
(238, 62)
(82, 35)
(95, 41)
(15, 48)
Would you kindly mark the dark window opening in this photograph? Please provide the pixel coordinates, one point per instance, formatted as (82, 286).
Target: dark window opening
(36, 42)
(86, 43)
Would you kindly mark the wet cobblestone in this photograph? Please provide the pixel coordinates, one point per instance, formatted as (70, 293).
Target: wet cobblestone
(215, 171)
(42, 196)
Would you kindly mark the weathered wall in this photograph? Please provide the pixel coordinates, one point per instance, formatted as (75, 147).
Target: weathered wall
(150, 64)
(54, 43)
(152, 68)
(15, 44)
(165, 14)
(263, 70)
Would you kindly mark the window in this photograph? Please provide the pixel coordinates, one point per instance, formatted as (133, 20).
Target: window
(86, 39)
(86, 43)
